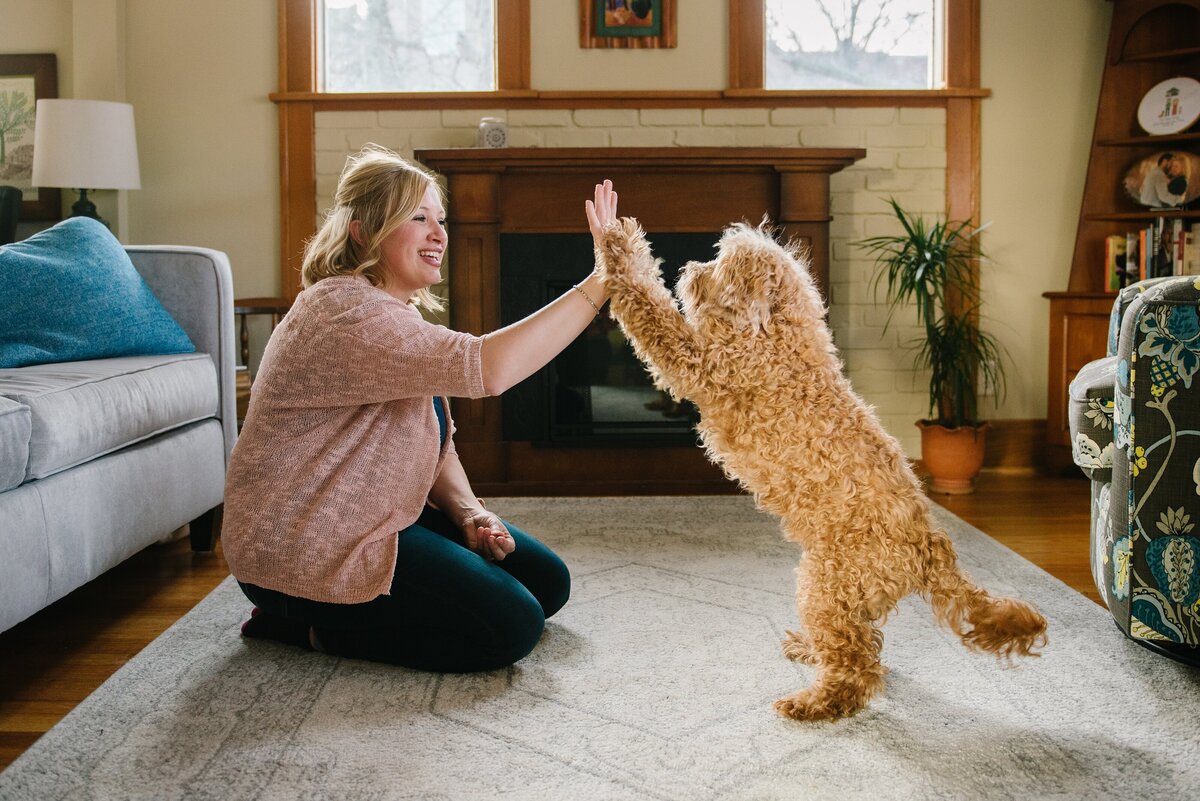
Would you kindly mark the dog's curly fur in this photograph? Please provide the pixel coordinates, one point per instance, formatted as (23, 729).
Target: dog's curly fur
(749, 346)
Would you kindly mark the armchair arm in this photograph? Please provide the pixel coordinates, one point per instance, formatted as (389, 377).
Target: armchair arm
(195, 286)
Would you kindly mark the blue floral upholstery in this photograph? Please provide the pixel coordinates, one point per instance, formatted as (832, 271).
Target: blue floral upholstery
(1139, 411)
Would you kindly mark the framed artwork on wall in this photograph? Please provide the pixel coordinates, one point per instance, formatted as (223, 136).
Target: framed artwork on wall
(627, 23)
(25, 79)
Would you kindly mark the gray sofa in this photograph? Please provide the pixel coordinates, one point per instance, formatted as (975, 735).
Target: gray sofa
(101, 458)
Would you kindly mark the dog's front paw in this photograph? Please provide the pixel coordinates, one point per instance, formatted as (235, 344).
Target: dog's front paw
(624, 250)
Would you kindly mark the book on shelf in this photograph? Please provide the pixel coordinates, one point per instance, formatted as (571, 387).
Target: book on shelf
(1165, 247)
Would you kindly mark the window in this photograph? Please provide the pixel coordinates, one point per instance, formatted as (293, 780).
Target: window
(853, 44)
(407, 45)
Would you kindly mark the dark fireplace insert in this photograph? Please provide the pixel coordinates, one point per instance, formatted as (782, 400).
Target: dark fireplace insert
(596, 392)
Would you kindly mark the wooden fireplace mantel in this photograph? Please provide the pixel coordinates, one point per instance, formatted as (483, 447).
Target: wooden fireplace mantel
(542, 190)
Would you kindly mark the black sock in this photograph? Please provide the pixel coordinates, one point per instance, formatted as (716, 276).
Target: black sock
(267, 626)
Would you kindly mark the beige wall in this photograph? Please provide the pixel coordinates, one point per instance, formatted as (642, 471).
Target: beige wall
(198, 75)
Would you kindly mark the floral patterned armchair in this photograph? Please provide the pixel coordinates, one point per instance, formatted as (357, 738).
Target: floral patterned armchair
(1135, 430)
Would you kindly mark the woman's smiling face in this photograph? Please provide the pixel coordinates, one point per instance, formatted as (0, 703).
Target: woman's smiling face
(412, 254)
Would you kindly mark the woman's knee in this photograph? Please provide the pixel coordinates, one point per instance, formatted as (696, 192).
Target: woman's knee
(516, 629)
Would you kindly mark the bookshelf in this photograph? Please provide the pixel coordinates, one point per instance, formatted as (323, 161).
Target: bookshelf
(1149, 41)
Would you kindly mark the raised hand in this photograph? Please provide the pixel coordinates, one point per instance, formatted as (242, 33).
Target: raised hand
(601, 211)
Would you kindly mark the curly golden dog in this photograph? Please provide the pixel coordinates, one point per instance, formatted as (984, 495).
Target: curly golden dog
(749, 346)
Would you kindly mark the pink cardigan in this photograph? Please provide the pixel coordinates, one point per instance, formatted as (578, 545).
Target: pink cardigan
(340, 444)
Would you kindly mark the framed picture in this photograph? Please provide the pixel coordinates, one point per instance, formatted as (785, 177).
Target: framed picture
(25, 79)
(627, 23)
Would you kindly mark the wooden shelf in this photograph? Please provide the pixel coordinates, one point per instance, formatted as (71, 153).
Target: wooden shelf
(1150, 141)
(1149, 41)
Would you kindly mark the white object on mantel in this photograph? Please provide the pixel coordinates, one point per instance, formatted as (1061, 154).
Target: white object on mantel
(493, 132)
(85, 144)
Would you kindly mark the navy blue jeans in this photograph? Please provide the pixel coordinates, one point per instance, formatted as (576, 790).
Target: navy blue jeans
(450, 610)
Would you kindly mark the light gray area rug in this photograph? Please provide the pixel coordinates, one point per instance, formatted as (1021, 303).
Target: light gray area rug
(655, 682)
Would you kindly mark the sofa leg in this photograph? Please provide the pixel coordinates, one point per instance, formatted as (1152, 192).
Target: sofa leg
(206, 528)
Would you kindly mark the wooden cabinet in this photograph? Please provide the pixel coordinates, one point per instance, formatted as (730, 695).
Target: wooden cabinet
(1149, 41)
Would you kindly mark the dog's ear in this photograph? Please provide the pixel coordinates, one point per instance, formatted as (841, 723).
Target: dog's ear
(750, 271)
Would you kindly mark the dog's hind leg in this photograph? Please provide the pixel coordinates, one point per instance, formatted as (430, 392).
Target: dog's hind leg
(841, 640)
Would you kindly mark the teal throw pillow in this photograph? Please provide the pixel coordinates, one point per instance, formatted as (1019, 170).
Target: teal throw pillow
(71, 293)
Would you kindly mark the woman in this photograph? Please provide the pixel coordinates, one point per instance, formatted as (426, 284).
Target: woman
(349, 520)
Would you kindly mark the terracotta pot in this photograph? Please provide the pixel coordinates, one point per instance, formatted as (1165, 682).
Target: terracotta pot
(953, 456)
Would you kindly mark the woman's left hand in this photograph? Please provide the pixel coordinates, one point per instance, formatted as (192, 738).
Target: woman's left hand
(601, 211)
(487, 535)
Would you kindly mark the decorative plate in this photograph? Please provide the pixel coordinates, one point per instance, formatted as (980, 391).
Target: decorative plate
(1170, 107)
(1164, 180)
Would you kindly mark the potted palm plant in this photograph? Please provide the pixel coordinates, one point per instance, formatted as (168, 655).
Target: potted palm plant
(931, 266)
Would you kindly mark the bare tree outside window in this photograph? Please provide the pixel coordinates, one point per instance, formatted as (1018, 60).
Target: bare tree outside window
(408, 45)
(853, 44)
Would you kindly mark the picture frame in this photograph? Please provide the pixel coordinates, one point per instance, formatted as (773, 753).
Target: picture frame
(627, 23)
(24, 79)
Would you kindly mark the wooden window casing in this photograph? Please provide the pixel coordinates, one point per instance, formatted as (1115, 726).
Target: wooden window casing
(298, 101)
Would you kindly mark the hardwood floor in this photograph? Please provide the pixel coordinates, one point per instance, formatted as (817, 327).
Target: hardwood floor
(55, 659)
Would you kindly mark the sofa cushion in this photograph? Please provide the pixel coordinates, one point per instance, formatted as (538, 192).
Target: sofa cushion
(80, 410)
(1090, 415)
(14, 443)
(71, 293)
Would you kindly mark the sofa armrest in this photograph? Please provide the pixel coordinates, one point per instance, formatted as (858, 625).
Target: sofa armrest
(195, 285)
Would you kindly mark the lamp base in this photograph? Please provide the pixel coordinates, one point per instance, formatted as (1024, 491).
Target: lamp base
(86, 208)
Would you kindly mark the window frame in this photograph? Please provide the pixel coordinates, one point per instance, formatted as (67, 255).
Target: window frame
(298, 101)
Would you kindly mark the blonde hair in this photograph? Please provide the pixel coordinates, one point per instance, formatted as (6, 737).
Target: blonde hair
(381, 190)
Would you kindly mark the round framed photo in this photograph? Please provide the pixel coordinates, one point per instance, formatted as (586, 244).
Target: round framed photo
(1170, 106)
(1165, 180)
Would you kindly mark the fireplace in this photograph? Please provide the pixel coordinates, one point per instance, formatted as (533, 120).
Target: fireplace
(591, 423)
(596, 392)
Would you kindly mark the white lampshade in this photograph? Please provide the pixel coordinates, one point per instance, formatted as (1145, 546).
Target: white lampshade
(85, 144)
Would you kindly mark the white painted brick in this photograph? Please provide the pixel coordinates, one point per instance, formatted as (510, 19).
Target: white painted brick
(895, 180)
(850, 179)
(872, 381)
(910, 159)
(345, 119)
(329, 139)
(539, 117)
(704, 137)
(575, 137)
(469, 117)
(675, 117)
(326, 186)
(393, 139)
(410, 119)
(442, 138)
(765, 137)
(605, 117)
(897, 136)
(526, 137)
(643, 137)
(878, 159)
(832, 137)
(864, 116)
(735, 116)
(933, 117)
(329, 163)
(802, 117)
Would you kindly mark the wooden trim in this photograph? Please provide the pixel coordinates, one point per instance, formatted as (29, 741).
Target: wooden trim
(298, 92)
(747, 67)
(297, 191)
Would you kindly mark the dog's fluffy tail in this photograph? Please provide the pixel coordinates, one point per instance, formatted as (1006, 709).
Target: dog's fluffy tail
(1003, 626)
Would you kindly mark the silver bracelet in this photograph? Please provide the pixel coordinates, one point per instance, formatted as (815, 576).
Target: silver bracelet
(587, 297)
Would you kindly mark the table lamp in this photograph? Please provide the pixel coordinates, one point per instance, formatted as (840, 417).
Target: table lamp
(85, 145)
